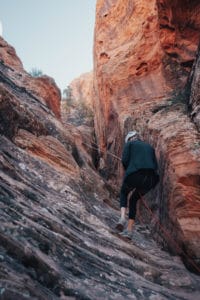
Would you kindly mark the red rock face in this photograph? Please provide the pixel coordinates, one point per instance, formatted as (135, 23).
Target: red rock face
(179, 25)
(44, 87)
(9, 57)
(82, 89)
(143, 54)
(195, 92)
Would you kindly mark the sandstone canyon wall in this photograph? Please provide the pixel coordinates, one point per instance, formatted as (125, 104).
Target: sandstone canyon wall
(57, 213)
(195, 91)
(143, 56)
(82, 89)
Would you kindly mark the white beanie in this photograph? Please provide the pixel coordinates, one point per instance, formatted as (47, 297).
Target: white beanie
(130, 135)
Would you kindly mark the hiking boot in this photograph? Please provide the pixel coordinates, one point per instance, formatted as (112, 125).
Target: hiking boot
(127, 234)
(120, 224)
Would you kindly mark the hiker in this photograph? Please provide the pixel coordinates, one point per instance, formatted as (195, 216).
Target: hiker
(140, 166)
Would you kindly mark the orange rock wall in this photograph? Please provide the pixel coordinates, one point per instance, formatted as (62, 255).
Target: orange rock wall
(82, 89)
(8, 56)
(143, 55)
(44, 87)
(143, 52)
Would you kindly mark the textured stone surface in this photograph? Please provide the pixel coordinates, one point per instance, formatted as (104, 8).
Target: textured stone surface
(195, 92)
(179, 26)
(82, 89)
(54, 243)
(43, 88)
(57, 215)
(143, 55)
(77, 105)
(134, 60)
(9, 57)
(177, 202)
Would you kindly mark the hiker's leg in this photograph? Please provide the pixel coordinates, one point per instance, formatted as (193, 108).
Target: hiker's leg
(150, 181)
(125, 189)
(132, 181)
(133, 205)
(123, 212)
(147, 181)
(144, 181)
(132, 212)
(130, 225)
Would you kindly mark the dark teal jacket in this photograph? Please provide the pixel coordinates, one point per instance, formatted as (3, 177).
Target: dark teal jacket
(138, 155)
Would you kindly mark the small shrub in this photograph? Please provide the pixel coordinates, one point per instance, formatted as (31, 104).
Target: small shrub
(67, 96)
(36, 72)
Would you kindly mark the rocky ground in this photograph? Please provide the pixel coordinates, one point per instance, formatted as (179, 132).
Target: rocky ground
(57, 241)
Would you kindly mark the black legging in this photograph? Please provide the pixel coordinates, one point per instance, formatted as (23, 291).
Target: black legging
(142, 181)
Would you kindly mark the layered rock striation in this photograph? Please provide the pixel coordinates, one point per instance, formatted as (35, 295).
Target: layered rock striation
(57, 214)
(136, 59)
(143, 56)
(43, 88)
(195, 91)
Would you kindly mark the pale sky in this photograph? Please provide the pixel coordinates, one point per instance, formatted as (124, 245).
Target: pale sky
(55, 36)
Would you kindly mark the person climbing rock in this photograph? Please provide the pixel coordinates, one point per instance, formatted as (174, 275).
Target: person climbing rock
(140, 166)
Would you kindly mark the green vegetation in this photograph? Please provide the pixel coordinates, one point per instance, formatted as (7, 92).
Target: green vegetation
(36, 72)
(77, 111)
(67, 94)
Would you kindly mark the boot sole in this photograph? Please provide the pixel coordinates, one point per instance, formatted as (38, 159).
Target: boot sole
(119, 227)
